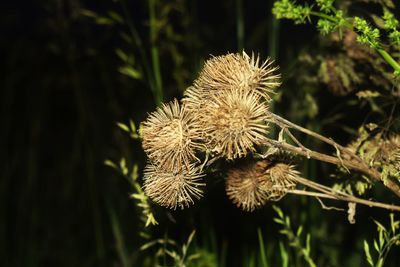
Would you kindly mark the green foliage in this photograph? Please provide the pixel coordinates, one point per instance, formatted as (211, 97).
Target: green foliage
(287, 9)
(326, 5)
(391, 26)
(331, 19)
(294, 237)
(263, 256)
(170, 253)
(387, 238)
(131, 175)
(130, 129)
(367, 34)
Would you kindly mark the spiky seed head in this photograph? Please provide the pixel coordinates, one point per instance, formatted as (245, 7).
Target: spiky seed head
(194, 97)
(282, 179)
(173, 189)
(241, 72)
(251, 185)
(170, 136)
(233, 123)
(245, 185)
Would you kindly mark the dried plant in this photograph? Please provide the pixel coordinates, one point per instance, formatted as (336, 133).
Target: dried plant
(173, 189)
(225, 114)
(233, 123)
(240, 72)
(251, 185)
(381, 153)
(170, 137)
(283, 178)
(245, 185)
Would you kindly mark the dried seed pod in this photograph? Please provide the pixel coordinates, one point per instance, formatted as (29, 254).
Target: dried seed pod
(233, 123)
(240, 72)
(170, 136)
(282, 179)
(173, 189)
(245, 185)
(253, 184)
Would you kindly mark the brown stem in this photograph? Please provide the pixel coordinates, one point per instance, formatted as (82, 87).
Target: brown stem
(285, 123)
(348, 199)
(361, 167)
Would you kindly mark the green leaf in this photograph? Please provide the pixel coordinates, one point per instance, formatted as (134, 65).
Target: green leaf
(368, 254)
(131, 72)
(115, 16)
(123, 126)
(121, 54)
(380, 226)
(88, 13)
(262, 248)
(376, 246)
(299, 231)
(122, 166)
(111, 164)
(284, 255)
(308, 240)
(278, 210)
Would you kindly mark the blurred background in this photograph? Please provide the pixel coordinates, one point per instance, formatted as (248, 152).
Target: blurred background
(72, 69)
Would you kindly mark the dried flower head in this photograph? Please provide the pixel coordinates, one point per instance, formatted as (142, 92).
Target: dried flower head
(233, 123)
(251, 185)
(239, 71)
(245, 185)
(170, 136)
(173, 189)
(282, 179)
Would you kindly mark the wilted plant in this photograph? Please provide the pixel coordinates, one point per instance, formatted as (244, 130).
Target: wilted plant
(225, 114)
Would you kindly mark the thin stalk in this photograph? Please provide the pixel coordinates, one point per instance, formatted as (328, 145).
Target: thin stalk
(394, 187)
(347, 199)
(154, 53)
(139, 46)
(239, 24)
(388, 58)
(283, 123)
(330, 18)
(262, 249)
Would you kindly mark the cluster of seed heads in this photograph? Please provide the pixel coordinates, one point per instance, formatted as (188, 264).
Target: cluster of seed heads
(224, 114)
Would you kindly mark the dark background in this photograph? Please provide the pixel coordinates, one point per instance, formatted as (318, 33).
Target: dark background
(61, 94)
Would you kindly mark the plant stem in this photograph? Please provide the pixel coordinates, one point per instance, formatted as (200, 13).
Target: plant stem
(363, 168)
(240, 25)
(283, 123)
(156, 91)
(389, 59)
(348, 199)
(154, 54)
